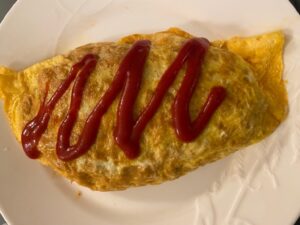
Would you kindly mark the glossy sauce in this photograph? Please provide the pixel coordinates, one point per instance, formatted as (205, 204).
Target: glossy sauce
(127, 80)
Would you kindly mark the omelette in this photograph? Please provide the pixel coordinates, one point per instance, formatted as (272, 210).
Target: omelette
(237, 99)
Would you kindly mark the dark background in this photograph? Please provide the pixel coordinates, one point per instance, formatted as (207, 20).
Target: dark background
(5, 5)
(296, 3)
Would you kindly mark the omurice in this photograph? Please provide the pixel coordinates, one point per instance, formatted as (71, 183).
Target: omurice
(147, 108)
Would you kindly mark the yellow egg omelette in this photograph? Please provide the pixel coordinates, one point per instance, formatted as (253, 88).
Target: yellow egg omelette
(249, 68)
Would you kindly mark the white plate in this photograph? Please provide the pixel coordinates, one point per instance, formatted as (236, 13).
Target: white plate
(258, 185)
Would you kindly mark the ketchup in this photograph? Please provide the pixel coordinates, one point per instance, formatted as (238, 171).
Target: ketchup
(127, 81)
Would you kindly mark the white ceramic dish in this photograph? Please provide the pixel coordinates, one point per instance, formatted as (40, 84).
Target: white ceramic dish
(258, 185)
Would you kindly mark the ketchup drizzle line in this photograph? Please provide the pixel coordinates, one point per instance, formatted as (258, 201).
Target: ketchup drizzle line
(127, 80)
(34, 129)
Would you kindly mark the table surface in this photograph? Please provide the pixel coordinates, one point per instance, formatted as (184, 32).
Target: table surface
(5, 5)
